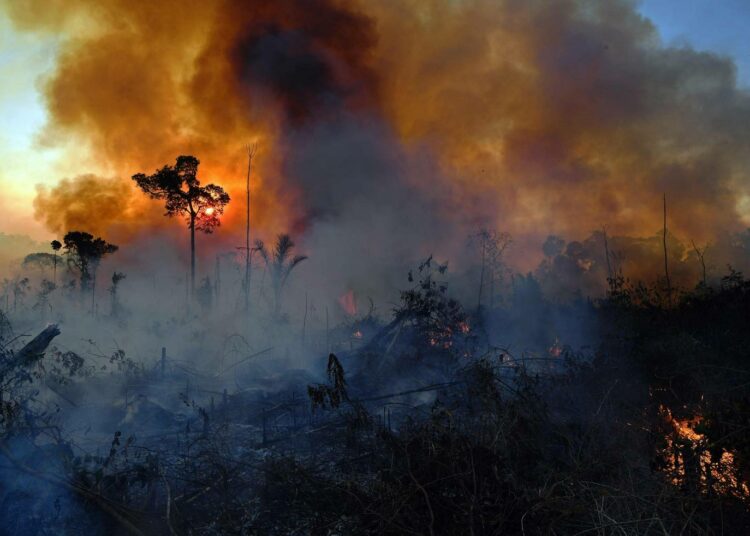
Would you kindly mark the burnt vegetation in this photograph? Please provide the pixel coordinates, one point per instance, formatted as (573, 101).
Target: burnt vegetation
(505, 408)
(424, 426)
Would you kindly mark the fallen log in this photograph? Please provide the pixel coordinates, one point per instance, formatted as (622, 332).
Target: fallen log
(38, 345)
(32, 351)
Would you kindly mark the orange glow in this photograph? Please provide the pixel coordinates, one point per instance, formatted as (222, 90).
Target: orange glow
(348, 303)
(721, 474)
(511, 113)
(556, 349)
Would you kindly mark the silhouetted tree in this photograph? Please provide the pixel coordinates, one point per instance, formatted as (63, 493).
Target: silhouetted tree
(116, 278)
(85, 253)
(280, 264)
(492, 244)
(184, 196)
(204, 295)
(56, 245)
(553, 246)
(701, 254)
(39, 260)
(251, 150)
(20, 289)
(43, 303)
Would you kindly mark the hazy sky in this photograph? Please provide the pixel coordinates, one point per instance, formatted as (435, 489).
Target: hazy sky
(24, 58)
(717, 25)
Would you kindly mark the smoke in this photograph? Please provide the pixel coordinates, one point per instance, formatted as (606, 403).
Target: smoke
(87, 202)
(389, 129)
(309, 58)
(572, 115)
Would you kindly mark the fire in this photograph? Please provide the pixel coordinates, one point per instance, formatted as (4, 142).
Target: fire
(687, 450)
(556, 349)
(348, 302)
(444, 344)
(209, 211)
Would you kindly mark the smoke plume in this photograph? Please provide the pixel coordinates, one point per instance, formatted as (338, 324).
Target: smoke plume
(396, 127)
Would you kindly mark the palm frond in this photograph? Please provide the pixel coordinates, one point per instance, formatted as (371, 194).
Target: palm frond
(260, 247)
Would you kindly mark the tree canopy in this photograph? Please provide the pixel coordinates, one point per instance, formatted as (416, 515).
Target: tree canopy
(183, 194)
(85, 252)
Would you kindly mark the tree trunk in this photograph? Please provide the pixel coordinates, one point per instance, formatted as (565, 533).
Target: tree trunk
(277, 301)
(247, 235)
(666, 265)
(93, 292)
(192, 254)
(481, 276)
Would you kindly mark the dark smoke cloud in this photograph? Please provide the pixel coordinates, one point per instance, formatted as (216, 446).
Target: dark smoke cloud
(309, 57)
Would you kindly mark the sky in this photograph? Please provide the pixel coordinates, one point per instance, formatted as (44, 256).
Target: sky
(24, 59)
(721, 26)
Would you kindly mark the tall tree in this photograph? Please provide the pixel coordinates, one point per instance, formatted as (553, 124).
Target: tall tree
(183, 195)
(85, 252)
(666, 264)
(492, 245)
(56, 245)
(280, 263)
(251, 150)
(117, 277)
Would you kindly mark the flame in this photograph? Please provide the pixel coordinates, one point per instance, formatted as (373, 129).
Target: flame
(721, 475)
(556, 349)
(348, 303)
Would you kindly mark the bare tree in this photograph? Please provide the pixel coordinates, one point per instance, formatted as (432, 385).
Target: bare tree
(606, 255)
(251, 150)
(184, 196)
(492, 245)
(666, 264)
(280, 264)
(701, 253)
(56, 245)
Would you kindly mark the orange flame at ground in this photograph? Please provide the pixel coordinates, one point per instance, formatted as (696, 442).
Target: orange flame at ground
(687, 452)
